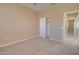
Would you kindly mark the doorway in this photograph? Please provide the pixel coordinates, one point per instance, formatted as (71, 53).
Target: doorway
(71, 27)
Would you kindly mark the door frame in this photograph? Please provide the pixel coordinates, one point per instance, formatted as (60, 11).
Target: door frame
(65, 20)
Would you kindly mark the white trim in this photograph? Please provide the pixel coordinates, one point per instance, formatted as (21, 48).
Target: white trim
(64, 24)
(71, 18)
(70, 12)
(18, 41)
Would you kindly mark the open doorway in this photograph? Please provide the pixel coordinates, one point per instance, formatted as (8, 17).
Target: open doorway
(71, 27)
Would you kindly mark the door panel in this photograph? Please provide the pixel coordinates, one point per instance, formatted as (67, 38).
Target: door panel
(43, 27)
(48, 27)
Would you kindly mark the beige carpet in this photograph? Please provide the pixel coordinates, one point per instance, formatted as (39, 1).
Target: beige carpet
(40, 46)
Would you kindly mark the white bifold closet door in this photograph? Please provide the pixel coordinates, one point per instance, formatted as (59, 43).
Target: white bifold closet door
(44, 27)
(48, 27)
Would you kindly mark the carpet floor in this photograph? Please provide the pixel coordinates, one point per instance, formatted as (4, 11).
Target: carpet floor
(40, 46)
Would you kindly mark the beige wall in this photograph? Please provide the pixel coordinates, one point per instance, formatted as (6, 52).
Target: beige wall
(15, 22)
(56, 14)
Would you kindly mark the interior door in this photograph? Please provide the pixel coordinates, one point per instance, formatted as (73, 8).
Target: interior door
(43, 27)
(47, 27)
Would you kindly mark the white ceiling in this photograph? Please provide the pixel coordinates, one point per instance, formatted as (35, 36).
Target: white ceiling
(38, 7)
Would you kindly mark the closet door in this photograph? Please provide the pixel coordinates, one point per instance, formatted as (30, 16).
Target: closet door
(43, 27)
(48, 27)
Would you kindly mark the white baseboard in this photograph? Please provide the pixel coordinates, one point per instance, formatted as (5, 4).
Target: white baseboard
(18, 41)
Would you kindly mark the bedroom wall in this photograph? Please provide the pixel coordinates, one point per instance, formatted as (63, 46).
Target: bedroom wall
(15, 22)
(56, 15)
